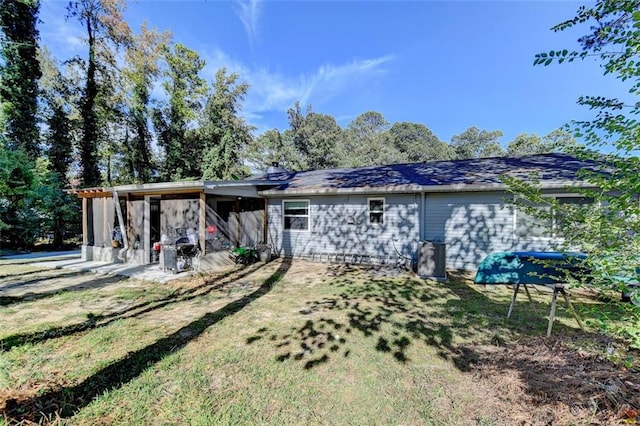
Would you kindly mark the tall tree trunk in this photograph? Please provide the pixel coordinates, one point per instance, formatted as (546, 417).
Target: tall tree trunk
(89, 141)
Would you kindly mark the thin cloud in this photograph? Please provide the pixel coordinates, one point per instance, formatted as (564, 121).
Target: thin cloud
(276, 92)
(64, 37)
(249, 12)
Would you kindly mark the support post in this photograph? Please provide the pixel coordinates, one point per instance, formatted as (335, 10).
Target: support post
(573, 311)
(85, 224)
(202, 222)
(265, 221)
(239, 225)
(552, 314)
(106, 233)
(123, 229)
(146, 240)
(513, 300)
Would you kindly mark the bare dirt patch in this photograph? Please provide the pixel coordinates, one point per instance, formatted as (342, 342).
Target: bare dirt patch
(556, 381)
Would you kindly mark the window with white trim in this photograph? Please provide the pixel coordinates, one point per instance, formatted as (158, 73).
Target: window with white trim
(296, 215)
(548, 223)
(376, 210)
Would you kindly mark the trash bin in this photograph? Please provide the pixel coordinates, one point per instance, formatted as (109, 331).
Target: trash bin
(264, 253)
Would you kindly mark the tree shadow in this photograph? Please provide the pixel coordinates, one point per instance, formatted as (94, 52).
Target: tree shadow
(99, 321)
(395, 314)
(65, 401)
(85, 285)
(38, 278)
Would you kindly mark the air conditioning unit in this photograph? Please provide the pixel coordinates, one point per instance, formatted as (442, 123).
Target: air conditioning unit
(432, 260)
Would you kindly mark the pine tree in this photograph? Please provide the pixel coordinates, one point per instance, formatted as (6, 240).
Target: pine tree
(19, 74)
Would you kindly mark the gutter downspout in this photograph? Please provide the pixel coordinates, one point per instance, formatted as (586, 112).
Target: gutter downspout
(265, 221)
(423, 217)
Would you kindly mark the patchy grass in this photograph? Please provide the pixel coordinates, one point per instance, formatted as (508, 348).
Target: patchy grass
(299, 343)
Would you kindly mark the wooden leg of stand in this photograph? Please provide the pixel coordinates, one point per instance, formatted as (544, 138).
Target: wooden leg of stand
(513, 300)
(573, 311)
(526, 289)
(552, 314)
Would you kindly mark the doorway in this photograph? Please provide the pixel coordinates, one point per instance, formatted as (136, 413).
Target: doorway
(154, 221)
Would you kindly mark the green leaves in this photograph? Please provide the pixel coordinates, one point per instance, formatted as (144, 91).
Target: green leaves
(555, 55)
(608, 229)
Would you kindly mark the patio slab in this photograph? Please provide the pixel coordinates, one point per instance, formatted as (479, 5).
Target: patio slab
(73, 261)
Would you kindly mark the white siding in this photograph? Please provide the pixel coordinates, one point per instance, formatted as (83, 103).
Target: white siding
(474, 225)
(340, 225)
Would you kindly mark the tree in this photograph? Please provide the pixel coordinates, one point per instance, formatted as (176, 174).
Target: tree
(476, 143)
(274, 147)
(17, 200)
(365, 143)
(225, 134)
(56, 108)
(141, 72)
(316, 138)
(19, 74)
(60, 212)
(525, 144)
(609, 228)
(186, 91)
(19, 135)
(560, 140)
(104, 24)
(556, 141)
(416, 143)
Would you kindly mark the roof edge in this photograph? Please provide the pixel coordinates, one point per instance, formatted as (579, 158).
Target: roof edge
(272, 193)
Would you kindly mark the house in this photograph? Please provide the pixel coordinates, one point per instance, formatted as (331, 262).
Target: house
(367, 214)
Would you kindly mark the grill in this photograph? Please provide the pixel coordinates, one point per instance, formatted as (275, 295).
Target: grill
(177, 253)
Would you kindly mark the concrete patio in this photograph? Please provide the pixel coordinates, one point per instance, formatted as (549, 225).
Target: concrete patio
(72, 260)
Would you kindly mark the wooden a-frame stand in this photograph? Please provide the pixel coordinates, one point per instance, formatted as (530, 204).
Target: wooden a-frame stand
(557, 288)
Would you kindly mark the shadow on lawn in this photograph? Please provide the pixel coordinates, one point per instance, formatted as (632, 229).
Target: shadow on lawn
(85, 285)
(394, 313)
(99, 321)
(19, 281)
(37, 295)
(64, 402)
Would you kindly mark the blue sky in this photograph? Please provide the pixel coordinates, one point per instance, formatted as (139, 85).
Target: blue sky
(448, 65)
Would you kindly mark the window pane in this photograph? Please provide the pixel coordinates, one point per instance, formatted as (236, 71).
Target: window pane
(376, 205)
(531, 226)
(296, 223)
(569, 214)
(575, 200)
(296, 208)
(376, 218)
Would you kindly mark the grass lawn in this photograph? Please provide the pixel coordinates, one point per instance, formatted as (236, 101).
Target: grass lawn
(298, 342)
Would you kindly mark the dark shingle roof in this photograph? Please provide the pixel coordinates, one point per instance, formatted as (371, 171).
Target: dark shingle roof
(550, 169)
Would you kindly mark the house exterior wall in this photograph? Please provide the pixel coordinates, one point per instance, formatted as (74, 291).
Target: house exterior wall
(179, 214)
(100, 226)
(101, 222)
(339, 225)
(473, 225)
(135, 231)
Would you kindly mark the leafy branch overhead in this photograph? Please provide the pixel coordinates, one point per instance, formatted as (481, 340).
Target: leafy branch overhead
(606, 224)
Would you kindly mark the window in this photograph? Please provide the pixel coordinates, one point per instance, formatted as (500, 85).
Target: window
(529, 225)
(546, 223)
(569, 206)
(296, 215)
(376, 210)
